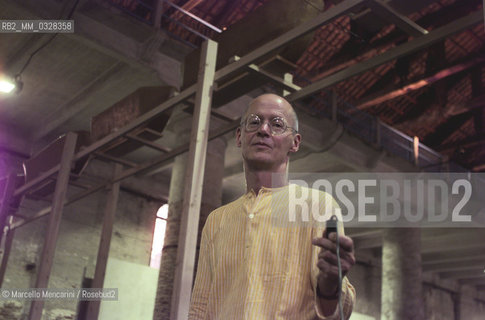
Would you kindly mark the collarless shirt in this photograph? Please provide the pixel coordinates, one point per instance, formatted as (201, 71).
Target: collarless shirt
(257, 261)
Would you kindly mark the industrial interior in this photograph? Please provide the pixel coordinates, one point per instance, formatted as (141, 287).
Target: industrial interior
(103, 141)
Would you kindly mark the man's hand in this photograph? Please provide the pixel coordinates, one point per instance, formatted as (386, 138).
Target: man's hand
(327, 262)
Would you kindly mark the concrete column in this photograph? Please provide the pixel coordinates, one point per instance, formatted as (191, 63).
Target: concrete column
(169, 252)
(401, 295)
(466, 305)
(211, 199)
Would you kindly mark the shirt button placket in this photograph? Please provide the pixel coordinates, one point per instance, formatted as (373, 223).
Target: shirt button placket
(248, 233)
(248, 242)
(252, 208)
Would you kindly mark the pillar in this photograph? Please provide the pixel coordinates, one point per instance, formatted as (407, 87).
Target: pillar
(467, 306)
(401, 294)
(212, 192)
(211, 199)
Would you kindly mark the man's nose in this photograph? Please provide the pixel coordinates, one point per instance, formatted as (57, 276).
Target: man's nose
(265, 128)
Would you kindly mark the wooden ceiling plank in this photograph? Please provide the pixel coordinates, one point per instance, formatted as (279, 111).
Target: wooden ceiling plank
(385, 96)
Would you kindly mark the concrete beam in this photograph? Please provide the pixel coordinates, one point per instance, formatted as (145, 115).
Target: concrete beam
(435, 243)
(84, 97)
(108, 40)
(480, 282)
(99, 36)
(454, 241)
(358, 233)
(451, 256)
(130, 52)
(477, 263)
(467, 274)
(371, 242)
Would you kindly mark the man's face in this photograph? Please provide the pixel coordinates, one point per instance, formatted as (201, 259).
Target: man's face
(261, 149)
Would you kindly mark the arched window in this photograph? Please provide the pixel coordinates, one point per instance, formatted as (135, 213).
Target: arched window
(159, 236)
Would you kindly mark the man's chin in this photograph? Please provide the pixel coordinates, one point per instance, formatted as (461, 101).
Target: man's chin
(261, 162)
(261, 157)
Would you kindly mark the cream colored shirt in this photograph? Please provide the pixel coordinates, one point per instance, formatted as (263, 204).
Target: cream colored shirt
(257, 261)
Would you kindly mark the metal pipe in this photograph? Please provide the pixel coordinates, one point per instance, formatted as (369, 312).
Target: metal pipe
(193, 16)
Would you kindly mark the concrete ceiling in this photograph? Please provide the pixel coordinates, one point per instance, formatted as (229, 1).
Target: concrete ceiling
(77, 76)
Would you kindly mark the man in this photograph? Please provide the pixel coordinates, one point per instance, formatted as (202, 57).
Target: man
(250, 268)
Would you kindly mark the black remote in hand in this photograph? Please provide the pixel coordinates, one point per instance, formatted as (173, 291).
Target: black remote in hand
(331, 226)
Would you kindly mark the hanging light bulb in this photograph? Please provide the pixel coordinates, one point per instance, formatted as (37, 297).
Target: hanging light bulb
(6, 86)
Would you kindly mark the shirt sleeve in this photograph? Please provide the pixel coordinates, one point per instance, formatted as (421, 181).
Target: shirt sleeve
(348, 291)
(203, 280)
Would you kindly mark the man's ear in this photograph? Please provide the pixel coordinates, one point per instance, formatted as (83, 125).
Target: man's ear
(238, 137)
(296, 143)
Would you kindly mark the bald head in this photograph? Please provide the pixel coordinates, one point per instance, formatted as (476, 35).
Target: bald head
(271, 100)
(267, 143)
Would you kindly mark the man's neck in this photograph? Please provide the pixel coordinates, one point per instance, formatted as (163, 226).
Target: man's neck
(255, 180)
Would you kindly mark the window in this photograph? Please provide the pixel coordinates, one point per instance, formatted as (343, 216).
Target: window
(159, 236)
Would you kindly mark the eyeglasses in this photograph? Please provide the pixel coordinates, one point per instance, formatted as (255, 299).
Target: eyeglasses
(277, 125)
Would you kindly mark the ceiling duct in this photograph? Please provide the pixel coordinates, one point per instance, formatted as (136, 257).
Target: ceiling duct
(265, 23)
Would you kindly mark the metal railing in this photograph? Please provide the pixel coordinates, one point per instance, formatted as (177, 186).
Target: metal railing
(370, 129)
